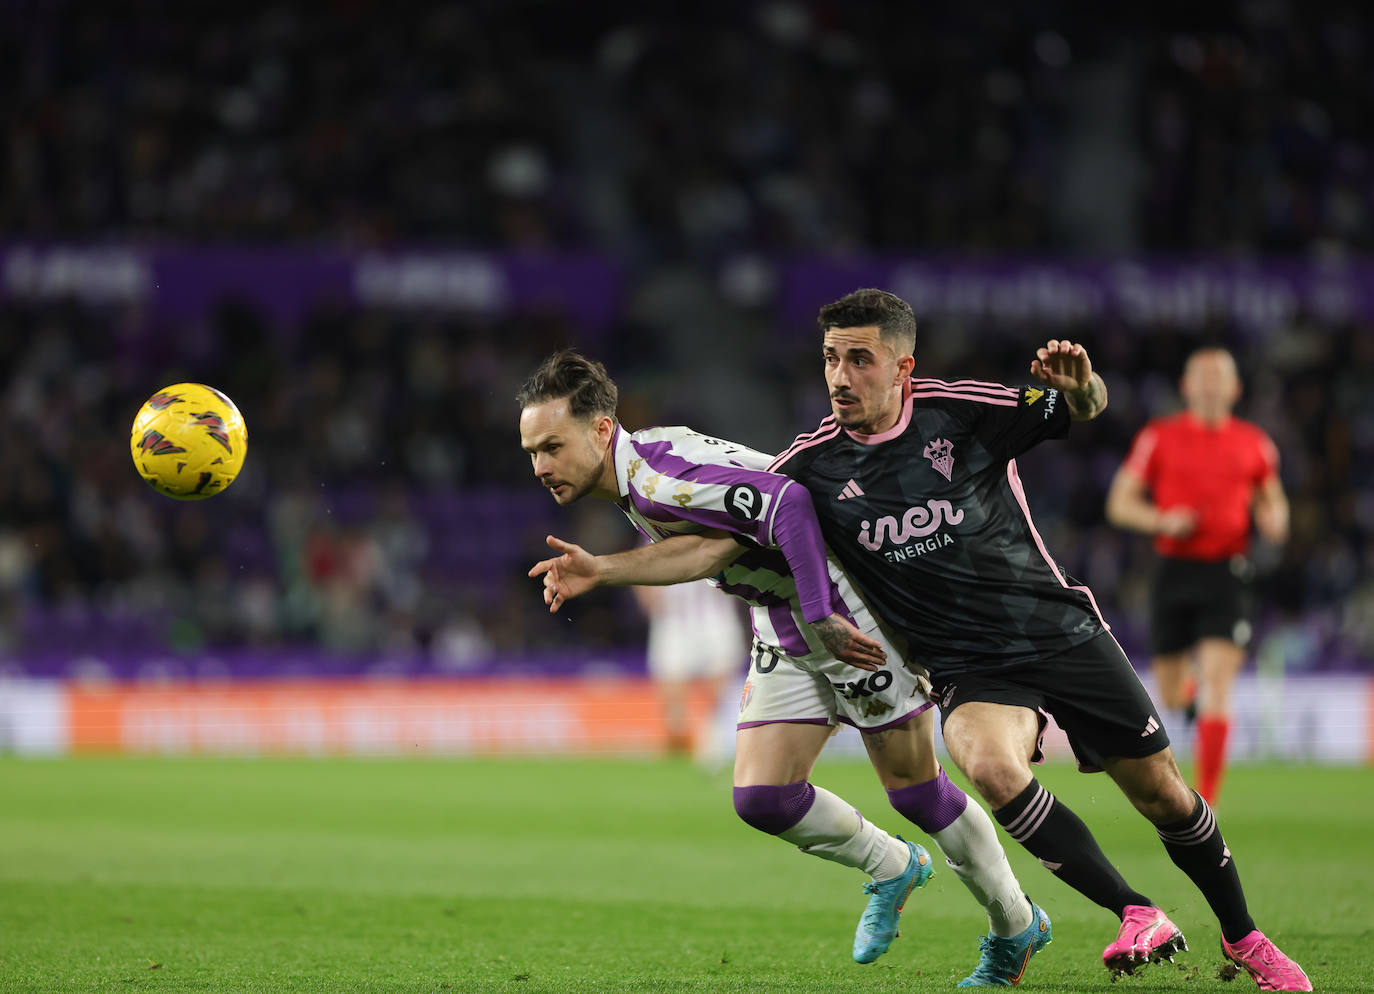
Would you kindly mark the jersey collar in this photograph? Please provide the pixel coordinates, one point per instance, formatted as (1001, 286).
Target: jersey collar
(1197, 422)
(895, 430)
(622, 451)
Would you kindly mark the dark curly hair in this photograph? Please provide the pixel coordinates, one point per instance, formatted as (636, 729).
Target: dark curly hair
(567, 373)
(863, 308)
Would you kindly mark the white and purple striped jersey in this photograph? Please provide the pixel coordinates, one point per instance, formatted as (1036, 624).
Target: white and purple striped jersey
(676, 481)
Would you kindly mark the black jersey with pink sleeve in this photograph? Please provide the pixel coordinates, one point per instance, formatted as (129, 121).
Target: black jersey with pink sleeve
(930, 521)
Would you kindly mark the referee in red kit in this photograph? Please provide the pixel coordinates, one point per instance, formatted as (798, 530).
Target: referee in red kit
(1193, 480)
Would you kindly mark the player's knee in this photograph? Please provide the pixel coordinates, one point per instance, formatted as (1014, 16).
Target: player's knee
(1165, 807)
(1159, 791)
(931, 806)
(998, 779)
(773, 809)
(1172, 801)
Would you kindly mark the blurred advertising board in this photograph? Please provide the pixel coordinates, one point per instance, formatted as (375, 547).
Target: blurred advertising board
(338, 717)
(179, 282)
(184, 282)
(1256, 296)
(1303, 718)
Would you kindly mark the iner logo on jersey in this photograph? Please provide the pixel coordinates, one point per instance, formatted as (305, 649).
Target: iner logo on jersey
(918, 522)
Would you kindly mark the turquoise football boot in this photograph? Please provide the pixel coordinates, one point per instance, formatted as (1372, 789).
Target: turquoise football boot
(1005, 959)
(878, 926)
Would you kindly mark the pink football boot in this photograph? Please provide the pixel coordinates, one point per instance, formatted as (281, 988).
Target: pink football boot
(1146, 936)
(1272, 970)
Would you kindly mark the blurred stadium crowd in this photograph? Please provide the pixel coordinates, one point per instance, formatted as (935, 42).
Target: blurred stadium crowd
(679, 129)
(386, 505)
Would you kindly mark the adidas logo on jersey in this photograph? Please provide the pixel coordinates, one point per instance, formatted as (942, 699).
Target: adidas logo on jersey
(1151, 727)
(851, 489)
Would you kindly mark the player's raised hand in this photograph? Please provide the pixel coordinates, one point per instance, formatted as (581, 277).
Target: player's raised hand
(849, 645)
(1063, 365)
(568, 575)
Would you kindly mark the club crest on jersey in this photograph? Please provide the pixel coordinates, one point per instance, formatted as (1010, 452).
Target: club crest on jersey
(940, 452)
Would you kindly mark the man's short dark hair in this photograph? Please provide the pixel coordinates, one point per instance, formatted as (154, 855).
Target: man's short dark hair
(863, 308)
(567, 373)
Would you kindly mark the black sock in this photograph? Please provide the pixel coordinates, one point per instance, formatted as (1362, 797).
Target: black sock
(1197, 848)
(1059, 839)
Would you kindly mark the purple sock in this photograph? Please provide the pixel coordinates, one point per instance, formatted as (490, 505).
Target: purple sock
(930, 806)
(774, 809)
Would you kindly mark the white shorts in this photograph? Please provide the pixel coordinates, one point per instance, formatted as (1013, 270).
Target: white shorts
(680, 652)
(820, 690)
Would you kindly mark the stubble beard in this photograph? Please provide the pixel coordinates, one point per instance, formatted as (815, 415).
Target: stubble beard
(580, 490)
(847, 417)
(862, 419)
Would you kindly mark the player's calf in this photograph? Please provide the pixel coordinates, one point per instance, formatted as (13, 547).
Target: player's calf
(821, 824)
(966, 836)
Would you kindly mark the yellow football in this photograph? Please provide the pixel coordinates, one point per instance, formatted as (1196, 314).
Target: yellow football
(188, 441)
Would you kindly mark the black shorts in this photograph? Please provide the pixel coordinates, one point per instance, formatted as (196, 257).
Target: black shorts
(1192, 600)
(1091, 690)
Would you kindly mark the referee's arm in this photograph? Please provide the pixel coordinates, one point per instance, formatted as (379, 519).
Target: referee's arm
(1271, 511)
(1129, 507)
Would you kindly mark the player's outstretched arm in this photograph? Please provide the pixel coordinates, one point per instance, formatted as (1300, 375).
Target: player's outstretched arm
(674, 560)
(680, 559)
(1065, 366)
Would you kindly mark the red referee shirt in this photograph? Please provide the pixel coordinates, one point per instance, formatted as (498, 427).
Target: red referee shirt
(1213, 470)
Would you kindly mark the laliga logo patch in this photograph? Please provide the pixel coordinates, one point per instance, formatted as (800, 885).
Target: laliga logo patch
(743, 502)
(940, 452)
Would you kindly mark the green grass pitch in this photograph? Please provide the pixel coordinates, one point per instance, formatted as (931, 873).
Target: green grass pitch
(572, 875)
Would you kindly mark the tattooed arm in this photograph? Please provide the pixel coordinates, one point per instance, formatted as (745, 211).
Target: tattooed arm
(845, 642)
(1066, 367)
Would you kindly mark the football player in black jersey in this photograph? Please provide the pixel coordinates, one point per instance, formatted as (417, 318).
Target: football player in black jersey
(939, 538)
